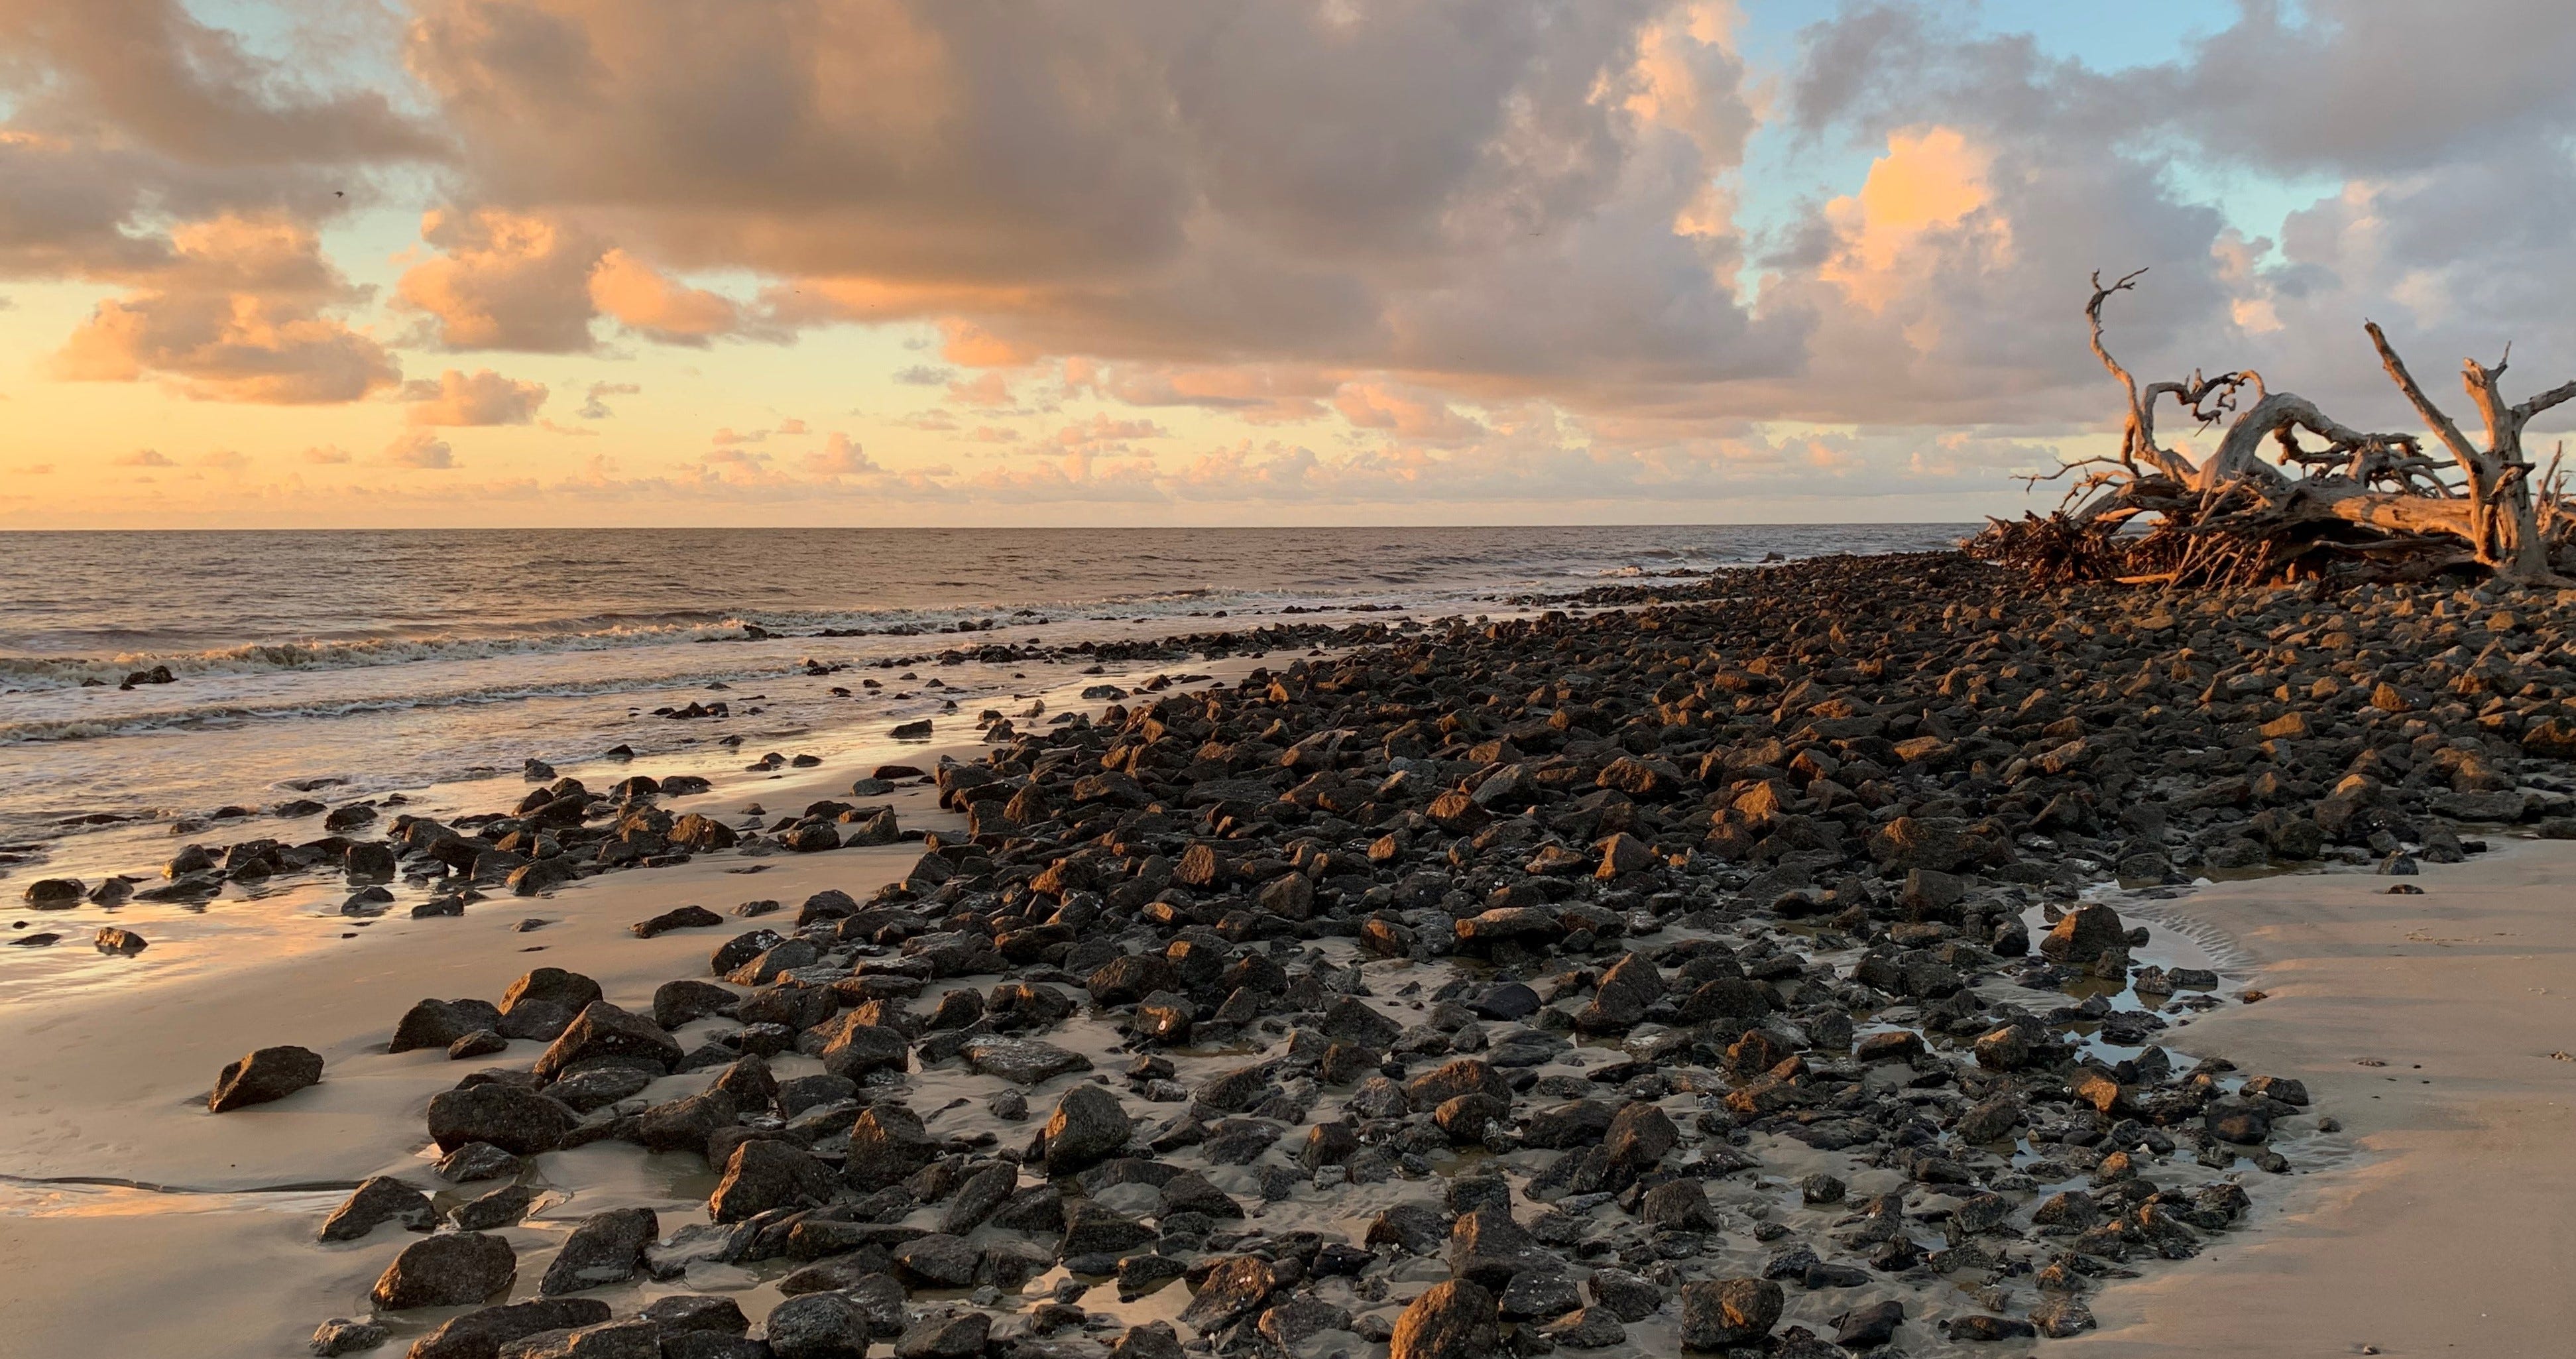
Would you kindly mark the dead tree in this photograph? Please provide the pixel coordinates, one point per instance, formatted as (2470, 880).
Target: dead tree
(2352, 503)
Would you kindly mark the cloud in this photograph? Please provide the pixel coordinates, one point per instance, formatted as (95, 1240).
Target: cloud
(595, 407)
(791, 427)
(726, 437)
(504, 280)
(923, 375)
(225, 460)
(145, 457)
(482, 397)
(242, 310)
(419, 450)
(327, 455)
(646, 302)
(840, 457)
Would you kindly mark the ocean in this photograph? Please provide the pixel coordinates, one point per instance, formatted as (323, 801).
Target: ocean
(362, 663)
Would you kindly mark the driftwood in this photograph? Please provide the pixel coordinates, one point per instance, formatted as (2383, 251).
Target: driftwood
(2331, 499)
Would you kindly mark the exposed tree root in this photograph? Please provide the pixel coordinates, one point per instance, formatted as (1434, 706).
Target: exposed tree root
(2355, 504)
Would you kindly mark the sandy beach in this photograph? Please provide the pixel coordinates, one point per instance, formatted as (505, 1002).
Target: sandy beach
(1832, 1027)
(2441, 1030)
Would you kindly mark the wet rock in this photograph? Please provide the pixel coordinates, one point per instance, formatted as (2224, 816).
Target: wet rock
(340, 1335)
(55, 894)
(500, 1208)
(606, 1248)
(1020, 1060)
(1454, 1319)
(2084, 934)
(765, 1174)
(1232, 1288)
(677, 1002)
(1629, 1297)
(633, 1338)
(378, 1199)
(1722, 1313)
(678, 918)
(450, 1270)
(1587, 1328)
(480, 1334)
(887, 1144)
(959, 1335)
(1870, 1326)
(117, 940)
(602, 1034)
(817, 1326)
(515, 1120)
(936, 1261)
(1089, 1126)
(264, 1076)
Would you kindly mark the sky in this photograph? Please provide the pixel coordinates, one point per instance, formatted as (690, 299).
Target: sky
(1167, 262)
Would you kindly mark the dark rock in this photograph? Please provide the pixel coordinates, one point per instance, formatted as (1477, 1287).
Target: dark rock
(378, 1199)
(606, 1248)
(1722, 1313)
(265, 1075)
(481, 1334)
(1454, 1319)
(450, 1270)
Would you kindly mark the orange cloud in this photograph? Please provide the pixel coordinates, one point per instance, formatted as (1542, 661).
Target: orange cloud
(1931, 184)
(643, 300)
(503, 280)
(483, 397)
(241, 311)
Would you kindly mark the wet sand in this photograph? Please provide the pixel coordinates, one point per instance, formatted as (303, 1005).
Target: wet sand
(2446, 1229)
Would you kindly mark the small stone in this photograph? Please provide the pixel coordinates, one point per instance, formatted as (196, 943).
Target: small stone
(264, 1076)
(340, 1335)
(378, 1199)
(1721, 1313)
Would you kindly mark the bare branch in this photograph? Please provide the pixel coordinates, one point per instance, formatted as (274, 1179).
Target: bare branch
(2441, 425)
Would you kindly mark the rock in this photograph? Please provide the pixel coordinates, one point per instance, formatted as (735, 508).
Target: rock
(1870, 1326)
(569, 991)
(1453, 1319)
(602, 1034)
(634, 1338)
(439, 1023)
(1089, 1126)
(696, 1313)
(1350, 1020)
(378, 1199)
(113, 939)
(936, 1261)
(1627, 1296)
(340, 1335)
(887, 1144)
(1020, 1060)
(944, 1336)
(2084, 934)
(817, 1326)
(677, 1002)
(450, 1270)
(477, 1161)
(480, 1334)
(1153, 1340)
(678, 918)
(511, 1118)
(55, 894)
(1234, 1287)
(767, 1173)
(500, 1208)
(1587, 1328)
(685, 1124)
(264, 1076)
(1721, 1313)
(606, 1248)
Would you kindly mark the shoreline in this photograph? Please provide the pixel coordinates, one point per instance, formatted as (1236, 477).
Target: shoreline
(2441, 1227)
(1774, 872)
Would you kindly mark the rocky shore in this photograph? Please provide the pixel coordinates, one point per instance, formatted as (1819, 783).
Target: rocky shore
(1733, 966)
